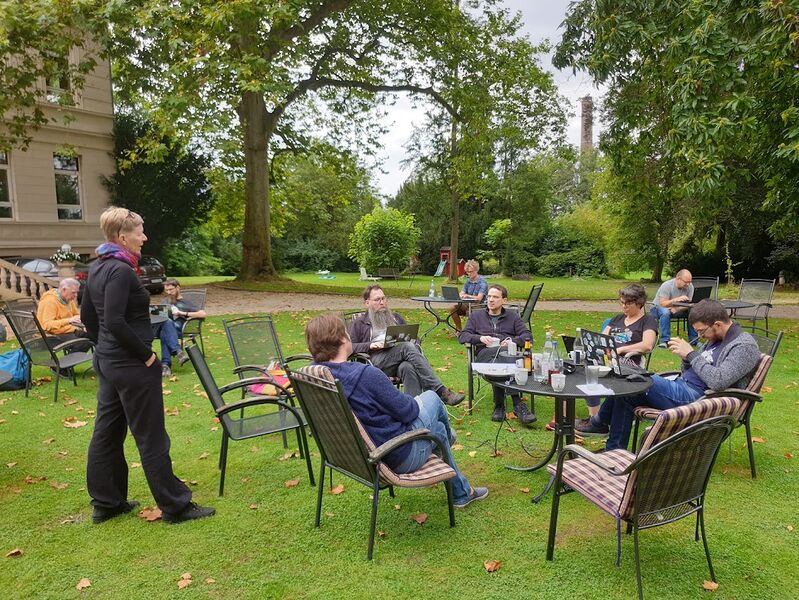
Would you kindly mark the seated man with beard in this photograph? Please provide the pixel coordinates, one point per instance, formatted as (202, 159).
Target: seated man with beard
(403, 360)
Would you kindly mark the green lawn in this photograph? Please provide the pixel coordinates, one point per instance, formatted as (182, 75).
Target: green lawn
(262, 543)
(555, 288)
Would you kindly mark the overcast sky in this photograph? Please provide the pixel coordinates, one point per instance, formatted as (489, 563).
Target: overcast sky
(541, 19)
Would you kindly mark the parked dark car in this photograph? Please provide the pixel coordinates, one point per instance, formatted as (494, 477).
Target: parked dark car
(151, 274)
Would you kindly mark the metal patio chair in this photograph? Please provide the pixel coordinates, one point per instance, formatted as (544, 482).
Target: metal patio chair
(759, 292)
(193, 326)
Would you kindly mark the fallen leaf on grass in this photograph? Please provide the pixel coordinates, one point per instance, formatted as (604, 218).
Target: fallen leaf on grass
(254, 449)
(73, 423)
(473, 453)
(336, 490)
(167, 392)
(2, 421)
(510, 430)
(381, 534)
(253, 507)
(766, 389)
(214, 428)
(788, 455)
(468, 433)
(789, 528)
(397, 506)
(48, 441)
(710, 586)
(510, 416)
(293, 483)
(524, 490)
(185, 581)
(210, 580)
(172, 412)
(203, 456)
(31, 479)
(14, 553)
(496, 453)
(758, 440)
(457, 447)
(185, 404)
(14, 412)
(150, 514)
(11, 465)
(69, 402)
(420, 518)
(58, 486)
(290, 454)
(442, 369)
(194, 482)
(492, 565)
(63, 453)
(83, 584)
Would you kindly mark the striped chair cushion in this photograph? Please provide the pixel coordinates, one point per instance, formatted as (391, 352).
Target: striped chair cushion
(759, 374)
(433, 471)
(601, 488)
(670, 422)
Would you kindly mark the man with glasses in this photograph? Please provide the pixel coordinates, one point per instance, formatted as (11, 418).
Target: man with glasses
(727, 359)
(679, 289)
(490, 330)
(403, 360)
(475, 289)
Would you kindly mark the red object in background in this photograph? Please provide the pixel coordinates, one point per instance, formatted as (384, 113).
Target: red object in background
(445, 253)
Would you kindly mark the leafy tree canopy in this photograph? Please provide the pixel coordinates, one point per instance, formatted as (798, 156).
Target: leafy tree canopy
(385, 238)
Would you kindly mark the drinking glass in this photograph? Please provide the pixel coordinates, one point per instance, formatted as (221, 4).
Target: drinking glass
(592, 374)
(558, 381)
(538, 367)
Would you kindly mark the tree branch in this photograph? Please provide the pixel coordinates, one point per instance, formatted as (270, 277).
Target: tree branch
(278, 37)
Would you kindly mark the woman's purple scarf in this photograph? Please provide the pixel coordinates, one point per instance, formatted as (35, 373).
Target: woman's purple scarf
(112, 250)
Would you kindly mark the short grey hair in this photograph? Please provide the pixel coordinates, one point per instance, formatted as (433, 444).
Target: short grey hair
(68, 282)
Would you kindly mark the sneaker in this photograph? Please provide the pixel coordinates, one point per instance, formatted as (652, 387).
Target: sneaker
(478, 493)
(191, 512)
(499, 414)
(166, 371)
(101, 515)
(523, 413)
(452, 398)
(663, 345)
(182, 357)
(587, 427)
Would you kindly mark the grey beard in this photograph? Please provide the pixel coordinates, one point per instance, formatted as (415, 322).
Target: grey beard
(381, 318)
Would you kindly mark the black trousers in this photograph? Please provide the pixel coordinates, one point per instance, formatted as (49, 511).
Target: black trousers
(130, 395)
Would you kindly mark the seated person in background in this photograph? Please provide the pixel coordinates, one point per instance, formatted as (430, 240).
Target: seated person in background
(635, 332)
(169, 331)
(727, 359)
(490, 329)
(59, 316)
(404, 360)
(679, 289)
(382, 409)
(475, 289)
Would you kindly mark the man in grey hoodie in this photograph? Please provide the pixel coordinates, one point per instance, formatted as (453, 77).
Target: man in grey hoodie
(726, 359)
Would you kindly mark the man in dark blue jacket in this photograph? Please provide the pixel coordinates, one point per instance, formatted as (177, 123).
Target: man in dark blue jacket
(404, 360)
(382, 409)
(490, 330)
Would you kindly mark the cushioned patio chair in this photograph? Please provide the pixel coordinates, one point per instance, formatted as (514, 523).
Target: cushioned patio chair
(193, 326)
(663, 483)
(43, 352)
(252, 419)
(347, 448)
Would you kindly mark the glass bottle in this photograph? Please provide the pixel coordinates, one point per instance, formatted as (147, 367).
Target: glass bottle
(579, 351)
(431, 293)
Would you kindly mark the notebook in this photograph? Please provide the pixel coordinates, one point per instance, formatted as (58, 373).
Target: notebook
(601, 348)
(396, 334)
(450, 292)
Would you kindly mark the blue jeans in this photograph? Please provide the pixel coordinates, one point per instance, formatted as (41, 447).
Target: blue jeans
(169, 334)
(664, 317)
(617, 413)
(433, 416)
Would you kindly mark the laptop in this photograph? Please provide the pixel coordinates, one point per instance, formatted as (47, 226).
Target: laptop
(396, 334)
(701, 293)
(601, 348)
(450, 292)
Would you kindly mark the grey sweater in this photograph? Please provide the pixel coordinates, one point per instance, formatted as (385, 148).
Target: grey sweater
(737, 359)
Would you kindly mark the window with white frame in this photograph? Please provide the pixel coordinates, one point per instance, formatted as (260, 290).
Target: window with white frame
(6, 210)
(59, 88)
(67, 187)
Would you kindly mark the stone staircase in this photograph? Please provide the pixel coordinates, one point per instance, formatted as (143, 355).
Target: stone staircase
(18, 283)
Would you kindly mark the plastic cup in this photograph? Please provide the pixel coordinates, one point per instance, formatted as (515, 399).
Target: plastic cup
(592, 374)
(538, 367)
(520, 375)
(558, 382)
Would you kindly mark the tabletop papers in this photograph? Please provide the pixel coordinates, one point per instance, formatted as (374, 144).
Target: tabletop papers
(595, 389)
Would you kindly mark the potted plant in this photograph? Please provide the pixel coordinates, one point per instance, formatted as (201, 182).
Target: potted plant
(65, 259)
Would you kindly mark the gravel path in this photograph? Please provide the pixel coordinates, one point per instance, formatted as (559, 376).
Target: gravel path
(223, 301)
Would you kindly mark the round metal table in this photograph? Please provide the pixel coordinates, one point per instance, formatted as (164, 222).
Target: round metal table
(429, 301)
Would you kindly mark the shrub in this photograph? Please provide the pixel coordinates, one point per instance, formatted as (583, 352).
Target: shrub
(305, 255)
(385, 238)
(582, 260)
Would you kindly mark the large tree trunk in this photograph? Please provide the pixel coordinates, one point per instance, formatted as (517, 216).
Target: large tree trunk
(256, 259)
(657, 270)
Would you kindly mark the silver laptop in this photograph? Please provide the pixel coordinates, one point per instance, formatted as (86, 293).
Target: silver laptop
(396, 334)
(450, 292)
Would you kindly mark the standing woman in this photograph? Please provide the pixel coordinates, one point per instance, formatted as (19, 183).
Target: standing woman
(116, 314)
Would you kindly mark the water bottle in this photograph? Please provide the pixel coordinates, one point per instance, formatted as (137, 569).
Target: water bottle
(431, 293)
(555, 363)
(579, 351)
(547, 359)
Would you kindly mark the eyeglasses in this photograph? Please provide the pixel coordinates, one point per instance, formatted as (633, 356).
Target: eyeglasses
(379, 300)
(701, 332)
(627, 302)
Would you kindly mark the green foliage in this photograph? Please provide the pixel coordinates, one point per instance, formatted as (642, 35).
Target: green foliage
(385, 238)
(305, 255)
(169, 191)
(192, 254)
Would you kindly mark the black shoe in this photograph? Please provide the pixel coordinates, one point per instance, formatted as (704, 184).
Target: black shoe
(523, 413)
(101, 515)
(587, 427)
(451, 397)
(499, 413)
(191, 512)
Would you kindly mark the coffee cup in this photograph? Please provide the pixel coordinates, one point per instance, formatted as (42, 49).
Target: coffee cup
(520, 375)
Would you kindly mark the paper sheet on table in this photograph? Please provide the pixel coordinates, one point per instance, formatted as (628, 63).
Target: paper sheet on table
(494, 368)
(595, 389)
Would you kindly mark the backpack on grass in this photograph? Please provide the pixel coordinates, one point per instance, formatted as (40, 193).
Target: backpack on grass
(16, 363)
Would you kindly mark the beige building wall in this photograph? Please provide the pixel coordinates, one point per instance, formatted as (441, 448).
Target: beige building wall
(34, 228)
